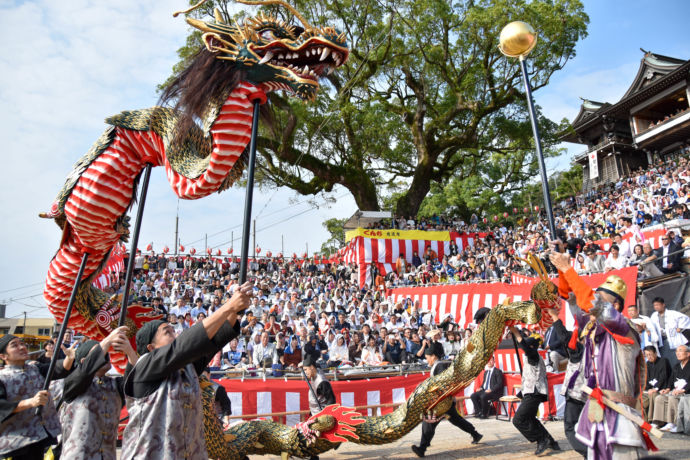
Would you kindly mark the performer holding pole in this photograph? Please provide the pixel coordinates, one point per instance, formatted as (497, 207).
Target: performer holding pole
(91, 401)
(26, 434)
(162, 388)
(574, 378)
(535, 390)
(320, 390)
(433, 358)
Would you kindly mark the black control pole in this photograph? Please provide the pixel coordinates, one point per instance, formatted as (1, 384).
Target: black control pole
(135, 242)
(63, 327)
(244, 256)
(540, 154)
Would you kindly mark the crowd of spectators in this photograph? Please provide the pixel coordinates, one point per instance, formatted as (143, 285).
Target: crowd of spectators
(619, 212)
(302, 307)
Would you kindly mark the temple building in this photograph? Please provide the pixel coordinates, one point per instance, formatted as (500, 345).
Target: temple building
(650, 122)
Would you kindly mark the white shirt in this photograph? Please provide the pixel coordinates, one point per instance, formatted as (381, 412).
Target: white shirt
(673, 320)
(616, 263)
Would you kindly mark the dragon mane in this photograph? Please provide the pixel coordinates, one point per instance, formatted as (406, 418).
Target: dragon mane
(204, 79)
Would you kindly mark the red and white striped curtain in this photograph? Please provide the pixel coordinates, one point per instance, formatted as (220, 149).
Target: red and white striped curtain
(463, 300)
(113, 268)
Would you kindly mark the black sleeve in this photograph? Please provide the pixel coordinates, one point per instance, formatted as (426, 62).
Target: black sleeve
(6, 407)
(674, 375)
(191, 346)
(79, 381)
(563, 336)
(326, 391)
(664, 373)
(58, 373)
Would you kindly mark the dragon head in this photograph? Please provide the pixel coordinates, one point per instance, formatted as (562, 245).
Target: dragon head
(273, 54)
(544, 293)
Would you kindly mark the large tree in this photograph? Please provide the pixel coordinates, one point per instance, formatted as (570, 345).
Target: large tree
(425, 99)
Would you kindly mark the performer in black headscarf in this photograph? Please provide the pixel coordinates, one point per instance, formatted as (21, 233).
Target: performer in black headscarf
(26, 435)
(162, 388)
(433, 357)
(91, 401)
(535, 390)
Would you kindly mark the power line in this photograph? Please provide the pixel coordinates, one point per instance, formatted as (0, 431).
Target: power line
(271, 225)
(22, 287)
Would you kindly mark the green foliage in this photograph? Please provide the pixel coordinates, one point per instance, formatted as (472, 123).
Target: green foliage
(337, 239)
(425, 106)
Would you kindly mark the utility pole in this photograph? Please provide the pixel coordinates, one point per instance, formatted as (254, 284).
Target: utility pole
(177, 222)
(24, 327)
(307, 249)
(232, 240)
(282, 244)
(206, 242)
(254, 233)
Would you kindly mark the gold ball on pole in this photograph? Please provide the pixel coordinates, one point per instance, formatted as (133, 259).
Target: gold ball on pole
(517, 39)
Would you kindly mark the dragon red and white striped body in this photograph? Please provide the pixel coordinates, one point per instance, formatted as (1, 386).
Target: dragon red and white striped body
(104, 192)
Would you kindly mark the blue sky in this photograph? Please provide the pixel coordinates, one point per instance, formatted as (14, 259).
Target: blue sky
(65, 66)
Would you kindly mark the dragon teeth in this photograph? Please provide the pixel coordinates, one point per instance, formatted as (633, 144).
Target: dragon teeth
(324, 53)
(281, 56)
(266, 58)
(295, 55)
(306, 69)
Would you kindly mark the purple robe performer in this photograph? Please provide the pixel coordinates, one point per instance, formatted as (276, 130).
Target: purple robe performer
(612, 363)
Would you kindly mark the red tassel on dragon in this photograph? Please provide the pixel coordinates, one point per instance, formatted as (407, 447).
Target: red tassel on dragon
(238, 63)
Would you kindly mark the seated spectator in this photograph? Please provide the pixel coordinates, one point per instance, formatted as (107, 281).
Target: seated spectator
(490, 390)
(371, 355)
(338, 353)
(615, 261)
(393, 349)
(451, 346)
(233, 357)
(665, 262)
(658, 375)
(355, 348)
(262, 353)
(666, 402)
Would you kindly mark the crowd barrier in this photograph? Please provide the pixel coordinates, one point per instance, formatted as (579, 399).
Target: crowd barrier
(287, 397)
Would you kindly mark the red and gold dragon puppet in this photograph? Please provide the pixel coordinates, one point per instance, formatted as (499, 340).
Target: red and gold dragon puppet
(200, 141)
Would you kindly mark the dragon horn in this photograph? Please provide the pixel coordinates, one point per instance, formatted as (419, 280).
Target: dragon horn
(218, 16)
(190, 9)
(290, 8)
(538, 267)
(545, 276)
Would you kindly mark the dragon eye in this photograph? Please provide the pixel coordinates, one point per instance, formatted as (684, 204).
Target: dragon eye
(268, 34)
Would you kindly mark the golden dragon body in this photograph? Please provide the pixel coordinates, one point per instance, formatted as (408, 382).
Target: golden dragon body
(433, 395)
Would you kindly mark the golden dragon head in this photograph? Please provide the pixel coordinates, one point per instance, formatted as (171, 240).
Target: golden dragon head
(272, 53)
(544, 293)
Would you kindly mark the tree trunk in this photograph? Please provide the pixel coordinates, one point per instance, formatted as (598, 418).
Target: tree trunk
(408, 204)
(363, 190)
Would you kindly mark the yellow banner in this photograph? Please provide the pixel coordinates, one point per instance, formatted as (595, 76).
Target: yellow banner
(397, 234)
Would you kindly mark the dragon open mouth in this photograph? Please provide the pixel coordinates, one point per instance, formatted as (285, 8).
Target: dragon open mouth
(312, 60)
